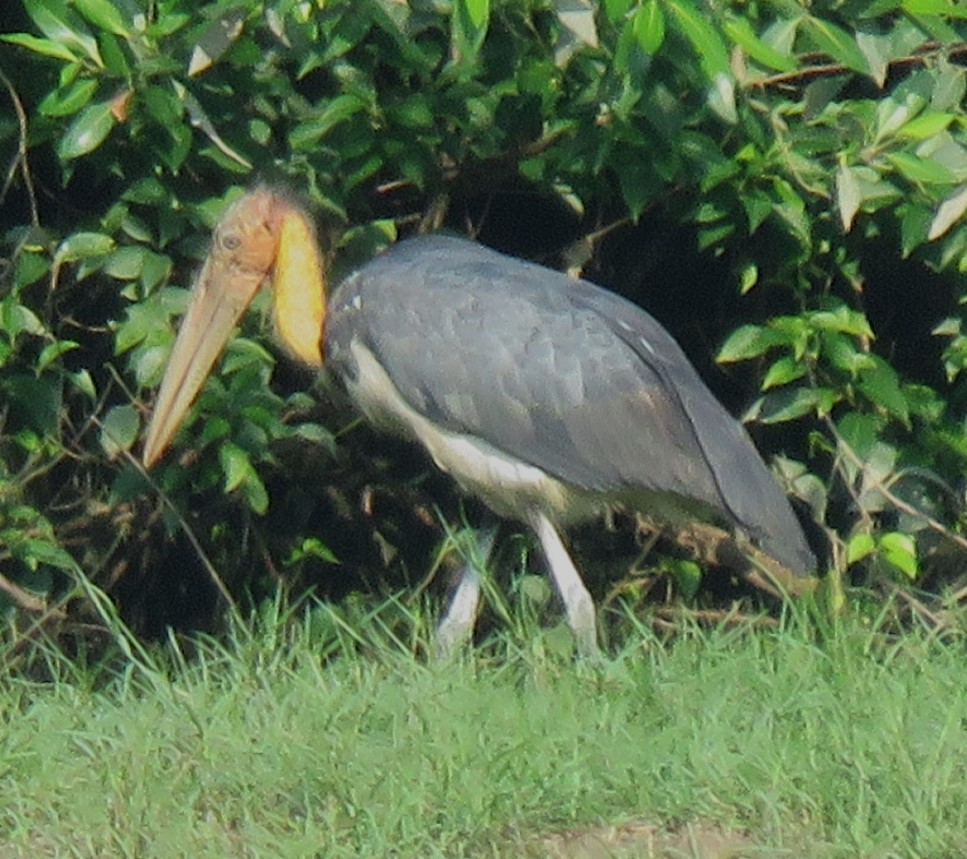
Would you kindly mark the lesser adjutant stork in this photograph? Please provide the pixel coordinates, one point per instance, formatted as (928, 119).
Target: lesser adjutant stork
(547, 397)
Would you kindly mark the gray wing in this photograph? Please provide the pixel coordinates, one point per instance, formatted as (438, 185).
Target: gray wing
(559, 374)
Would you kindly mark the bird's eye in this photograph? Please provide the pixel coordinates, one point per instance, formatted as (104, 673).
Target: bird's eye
(231, 242)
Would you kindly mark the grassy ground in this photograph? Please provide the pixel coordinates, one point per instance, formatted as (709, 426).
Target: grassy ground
(301, 741)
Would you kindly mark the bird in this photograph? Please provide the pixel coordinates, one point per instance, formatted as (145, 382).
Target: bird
(550, 399)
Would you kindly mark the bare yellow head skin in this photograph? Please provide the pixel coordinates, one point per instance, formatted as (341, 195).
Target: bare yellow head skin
(263, 236)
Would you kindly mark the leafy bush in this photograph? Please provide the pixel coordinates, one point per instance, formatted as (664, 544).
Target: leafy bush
(797, 172)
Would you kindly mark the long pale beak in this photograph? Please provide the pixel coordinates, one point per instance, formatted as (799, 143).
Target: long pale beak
(251, 242)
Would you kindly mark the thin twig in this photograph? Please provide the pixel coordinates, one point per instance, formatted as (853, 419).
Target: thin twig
(20, 158)
(927, 52)
(21, 597)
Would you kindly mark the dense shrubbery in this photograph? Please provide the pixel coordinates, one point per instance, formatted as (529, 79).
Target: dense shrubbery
(787, 180)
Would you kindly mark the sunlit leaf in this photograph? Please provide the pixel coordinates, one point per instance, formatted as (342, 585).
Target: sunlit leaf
(44, 47)
(848, 196)
(62, 25)
(835, 41)
(104, 15)
(80, 246)
(235, 463)
(749, 341)
(67, 101)
(88, 131)
(216, 39)
(949, 213)
(705, 39)
(900, 550)
(312, 547)
(921, 169)
(577, 16)
(859, 547)
(649, 26)
(616, 9)
(740, 31)
(926, 126)
(942, 8)
(120, 429)
(52, 353)
(786, 369)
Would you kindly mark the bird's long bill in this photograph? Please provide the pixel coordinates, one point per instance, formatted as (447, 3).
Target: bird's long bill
(262, 235)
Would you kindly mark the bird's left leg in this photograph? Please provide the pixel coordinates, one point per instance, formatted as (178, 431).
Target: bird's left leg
(456, 625)
(577, 601)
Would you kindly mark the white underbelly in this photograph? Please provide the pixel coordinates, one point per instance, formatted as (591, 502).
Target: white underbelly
(507, 485)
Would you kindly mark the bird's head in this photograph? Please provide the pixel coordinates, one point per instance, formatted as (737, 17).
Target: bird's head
(264, 237)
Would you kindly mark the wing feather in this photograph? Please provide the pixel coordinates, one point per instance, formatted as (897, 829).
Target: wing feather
(559, 374)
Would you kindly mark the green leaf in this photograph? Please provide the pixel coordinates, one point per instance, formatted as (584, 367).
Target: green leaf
(38, 400)
(705, 39)
(848, 196)
(469, 24)
(749, 278)
(477, 11)
(125, 263)
(312, 547)
(781, 372)
(861, 431)
(616, 9)
(835, 41)
(104, 15)
(44, 47)
(900, 550)
(40, 551)
(69, 100)
(649, 26)
(948, 214)
(925, 126)
(740, 31)
(235, 464)
(83, 246)
(942, 8)
(82, 381)
(882, 385)
(120, 430)
(87, 131)
(255, 494)
(147, 191)
(215, 39)
(843, 320)
(749, 341)
(687, 576)
(860, 546)
(844, 353)
(918, 170)
(52, 352)
(415, 111)
(307, 134)
(787, 404)
(60, 24)
(115, 59)
(721, 98)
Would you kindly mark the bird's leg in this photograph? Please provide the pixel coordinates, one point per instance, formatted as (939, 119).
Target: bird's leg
(457, 624)
(577, 601)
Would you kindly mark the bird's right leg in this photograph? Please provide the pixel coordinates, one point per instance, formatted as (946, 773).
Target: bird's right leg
(577, 601)
(456, 625)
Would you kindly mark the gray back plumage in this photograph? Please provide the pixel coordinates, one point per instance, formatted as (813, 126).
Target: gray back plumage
(557, 373)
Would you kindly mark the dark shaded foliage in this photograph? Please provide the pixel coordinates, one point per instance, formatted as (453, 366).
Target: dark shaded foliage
(783, 187)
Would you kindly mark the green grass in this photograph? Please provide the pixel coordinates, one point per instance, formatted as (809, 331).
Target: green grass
(853, 747)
